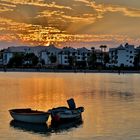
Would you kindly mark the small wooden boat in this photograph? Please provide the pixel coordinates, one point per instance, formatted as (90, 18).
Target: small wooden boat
(65, 114)
(29, 115)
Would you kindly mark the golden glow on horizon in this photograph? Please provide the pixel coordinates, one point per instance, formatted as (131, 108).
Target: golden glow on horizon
(39, 22)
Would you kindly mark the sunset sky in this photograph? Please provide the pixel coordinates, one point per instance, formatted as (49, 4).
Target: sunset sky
(75, 23)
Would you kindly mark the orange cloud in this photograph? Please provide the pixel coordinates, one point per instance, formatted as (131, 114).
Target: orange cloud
(59, 21)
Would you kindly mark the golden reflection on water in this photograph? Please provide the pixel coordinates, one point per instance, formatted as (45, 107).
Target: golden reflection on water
(111, 102)
(41, 93)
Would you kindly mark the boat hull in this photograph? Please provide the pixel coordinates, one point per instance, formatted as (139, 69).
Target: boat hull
(61, 119)
(30, 118)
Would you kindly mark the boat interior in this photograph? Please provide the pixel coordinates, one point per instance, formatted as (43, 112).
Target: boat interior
(26, 110)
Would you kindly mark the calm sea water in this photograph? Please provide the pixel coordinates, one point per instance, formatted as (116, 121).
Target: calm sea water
(111, 102)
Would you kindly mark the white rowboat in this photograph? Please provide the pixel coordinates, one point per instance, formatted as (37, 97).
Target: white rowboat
(29, 115)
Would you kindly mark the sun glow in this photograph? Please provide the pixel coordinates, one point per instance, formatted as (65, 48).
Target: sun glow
(47, 44)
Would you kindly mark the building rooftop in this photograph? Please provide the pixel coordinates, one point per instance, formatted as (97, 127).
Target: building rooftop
(68, 49)
(83, 50)
(121, 47)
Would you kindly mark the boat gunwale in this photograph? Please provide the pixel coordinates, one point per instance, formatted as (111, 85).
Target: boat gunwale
(33, 112)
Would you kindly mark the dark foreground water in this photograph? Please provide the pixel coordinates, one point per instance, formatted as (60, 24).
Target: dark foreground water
(111, 101)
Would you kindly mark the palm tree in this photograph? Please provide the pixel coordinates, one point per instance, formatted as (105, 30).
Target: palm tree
(101, 47)
(92, 58)
(103, 50)
(92, 49)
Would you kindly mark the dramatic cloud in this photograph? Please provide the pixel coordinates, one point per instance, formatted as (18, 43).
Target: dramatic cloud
(39, 22)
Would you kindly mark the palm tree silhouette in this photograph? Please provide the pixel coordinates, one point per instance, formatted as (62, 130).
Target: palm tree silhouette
(103, 50)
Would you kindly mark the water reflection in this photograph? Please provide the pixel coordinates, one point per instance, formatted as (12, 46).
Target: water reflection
(110, 101)
(30, 127)
(44, 129)
(123, 95)
(57, 128)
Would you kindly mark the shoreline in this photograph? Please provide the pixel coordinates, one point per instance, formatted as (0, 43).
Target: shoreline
(70, 71)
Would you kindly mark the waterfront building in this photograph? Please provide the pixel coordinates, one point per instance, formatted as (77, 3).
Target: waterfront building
(66, 54)
(83, 54)
(1, 62)
(70, 55)
(137, 50)
(6, 57)
(10, 51)
(137, 56)
(98, 53)
(122, 55)
(50, 55)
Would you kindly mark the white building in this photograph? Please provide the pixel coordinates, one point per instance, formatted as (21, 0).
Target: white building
(83, 54)
(137, 50)
(78, 55)
(48, 52)
(137, 54)
(122, 55)
(6, 57)
(10, 51)
(98, 53)
(65, 54)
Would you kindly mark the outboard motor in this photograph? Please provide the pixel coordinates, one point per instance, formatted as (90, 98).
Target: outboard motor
(71, 104)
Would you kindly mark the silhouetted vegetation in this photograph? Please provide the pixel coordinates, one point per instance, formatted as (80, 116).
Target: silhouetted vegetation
(30, 59)
(16, 60)
(20, 59)
(106, 59)
(137, 61)
(53, 58)
(71, 61)
(92, 58)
